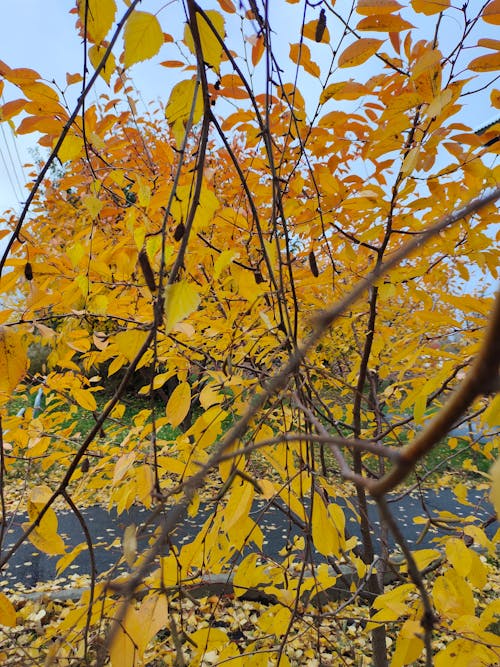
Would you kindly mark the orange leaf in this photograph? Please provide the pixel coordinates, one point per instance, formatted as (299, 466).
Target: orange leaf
(227, 6)
(489, 43)
(172, 63)
(369, 7)
(359, 52)
(344, 90)
(73, 78)
(43, 124)
(257, 50)
(301, 55)
(384, 23)
(231, 87)
(487, 63)
(11, 109)
(491, 13)
(19, 75)
(309, 31)
(429, 7)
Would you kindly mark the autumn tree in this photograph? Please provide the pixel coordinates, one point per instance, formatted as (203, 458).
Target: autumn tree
(297, 248)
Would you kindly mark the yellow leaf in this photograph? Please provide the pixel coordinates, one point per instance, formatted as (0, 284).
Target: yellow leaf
(13, 362)
(275, 621)
(224, 260)
(210, 396)
(181, 299)
(460, 491)
(7, 612)
(409, 644)
(487, 63)
(384, 23)
(96, 53)
(207, 639)
(124, 650)
(480, 537)
(327, 527)
(178, 404)
(71, 148)
(208, 204)
(369, 7)
(44, 537)
(194, 505)
(122, 466)
(343, 90)
(466, 653)
(180, 103)
(495, 486)
(93, 205)
(226, 467)
(324, 576)
(459, 556)
(491, 415)
(239, 504)
(491, 13)
(98, 17)
(68, 558)
(75, 253)
(142, 37)
(129, 544)
(410, 162)
(145, 481)
(424, 557)
(267, 488)
(249, 574)
(129, 342)
(84, 398)
(358, 52)
(395, 599)
(429, 7)
(452, 595)
(153, 614)
(419, 408)
(210, 46)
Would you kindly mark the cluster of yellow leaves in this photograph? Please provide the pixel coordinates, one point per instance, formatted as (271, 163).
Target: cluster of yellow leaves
(306, 212)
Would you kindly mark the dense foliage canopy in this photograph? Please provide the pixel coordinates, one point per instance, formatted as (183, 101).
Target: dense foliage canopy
(290, 260)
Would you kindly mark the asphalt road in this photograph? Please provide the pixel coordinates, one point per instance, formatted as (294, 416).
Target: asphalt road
(30, 567)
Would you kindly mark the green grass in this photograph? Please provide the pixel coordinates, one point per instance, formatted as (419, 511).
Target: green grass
(440, 460)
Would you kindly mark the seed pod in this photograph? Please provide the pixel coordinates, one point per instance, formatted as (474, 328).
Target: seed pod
(147, 271)
(28, 271)
(321, 26)
(313, 265)
(259, 278)
(179, 231)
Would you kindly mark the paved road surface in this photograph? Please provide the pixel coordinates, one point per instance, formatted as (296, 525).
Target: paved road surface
(30, 567)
